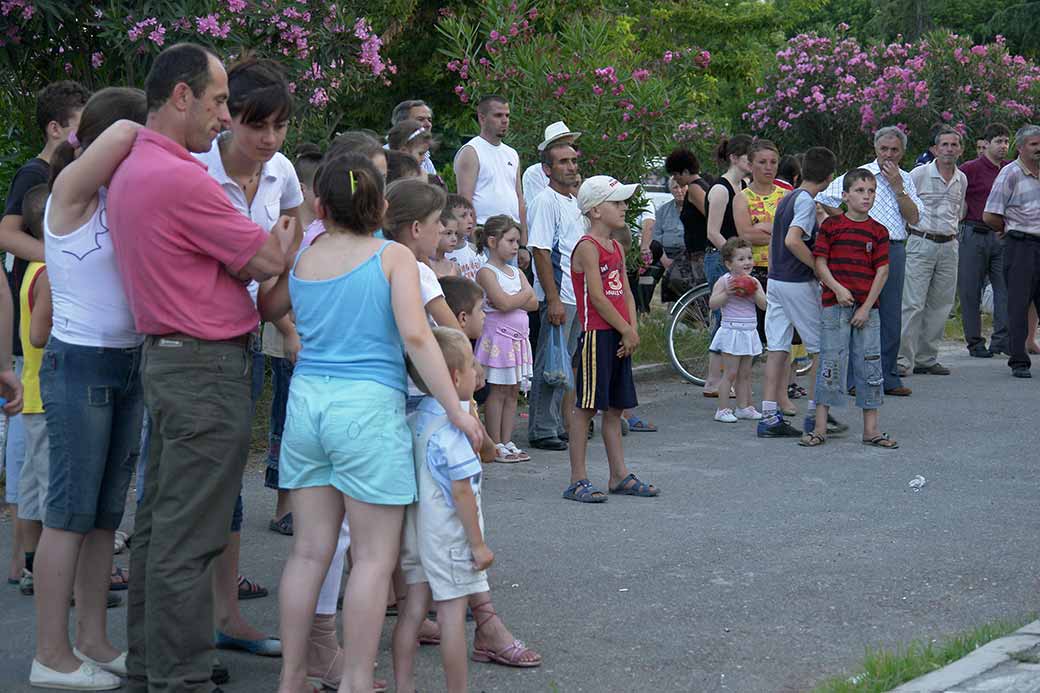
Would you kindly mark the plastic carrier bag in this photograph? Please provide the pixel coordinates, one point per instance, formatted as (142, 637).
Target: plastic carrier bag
(557, 371)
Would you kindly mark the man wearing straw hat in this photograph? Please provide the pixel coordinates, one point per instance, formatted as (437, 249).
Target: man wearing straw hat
(534, 179)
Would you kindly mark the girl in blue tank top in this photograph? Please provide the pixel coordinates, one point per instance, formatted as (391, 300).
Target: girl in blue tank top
(346, 445)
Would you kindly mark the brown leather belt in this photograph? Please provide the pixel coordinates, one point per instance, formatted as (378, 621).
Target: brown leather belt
(935, 237)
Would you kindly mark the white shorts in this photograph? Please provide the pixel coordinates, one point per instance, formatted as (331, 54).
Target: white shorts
(35, 476)
(793, 306)
(434, 547)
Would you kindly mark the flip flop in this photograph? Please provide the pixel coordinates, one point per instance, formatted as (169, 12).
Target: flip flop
(123, 580)
(882, 441)
(637, 488)
(638, 425)
(583, 491)
(283, 526)
(248, 589)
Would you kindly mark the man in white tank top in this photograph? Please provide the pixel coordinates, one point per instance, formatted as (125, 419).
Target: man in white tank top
(487, 171)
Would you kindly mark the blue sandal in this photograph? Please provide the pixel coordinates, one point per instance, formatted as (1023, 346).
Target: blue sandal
(636, 488)
(638, 425)
(583, 491)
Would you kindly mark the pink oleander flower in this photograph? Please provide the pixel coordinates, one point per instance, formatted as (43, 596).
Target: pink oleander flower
(97, 59)
(319, 98)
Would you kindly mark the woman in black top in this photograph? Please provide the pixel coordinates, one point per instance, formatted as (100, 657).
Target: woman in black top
(732, 153)
(684, 168)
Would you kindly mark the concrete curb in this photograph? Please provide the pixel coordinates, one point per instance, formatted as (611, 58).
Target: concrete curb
(648, 371)
(979, 662)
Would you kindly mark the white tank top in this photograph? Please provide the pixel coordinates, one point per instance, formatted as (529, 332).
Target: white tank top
(510, 285)
(90, 306)
(496, 180)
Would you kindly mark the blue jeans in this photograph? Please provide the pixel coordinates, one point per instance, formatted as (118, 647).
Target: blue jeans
(281, 374)
(93, 405)
(713, 270)
(843, 346)
(890, 306)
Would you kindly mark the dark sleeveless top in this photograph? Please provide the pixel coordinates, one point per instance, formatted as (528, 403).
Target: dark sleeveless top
(695, 224)
(729, 226)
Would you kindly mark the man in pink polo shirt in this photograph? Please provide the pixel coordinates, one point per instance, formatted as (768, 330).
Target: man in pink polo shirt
(185, 255)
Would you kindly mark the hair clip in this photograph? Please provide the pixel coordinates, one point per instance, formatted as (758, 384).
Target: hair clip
(415, 134)
(353, 183)
(73, 140)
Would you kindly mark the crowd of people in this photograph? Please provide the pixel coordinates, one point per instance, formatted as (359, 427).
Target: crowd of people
(165, 253)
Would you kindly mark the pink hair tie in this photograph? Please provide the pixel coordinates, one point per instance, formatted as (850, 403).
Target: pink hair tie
(73, 140)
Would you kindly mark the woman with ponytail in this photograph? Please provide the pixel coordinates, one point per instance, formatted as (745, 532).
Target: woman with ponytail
(92, 398)
(358, 460)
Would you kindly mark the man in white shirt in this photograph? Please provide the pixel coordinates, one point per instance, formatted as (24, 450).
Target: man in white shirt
(895, 205)
(556, 225)
(415, 109)
(534, 179)
(931, 256)
(487, 171)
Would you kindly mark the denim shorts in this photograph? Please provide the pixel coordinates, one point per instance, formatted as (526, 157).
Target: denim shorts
(842, 346)
(351, 434)
(93, 404)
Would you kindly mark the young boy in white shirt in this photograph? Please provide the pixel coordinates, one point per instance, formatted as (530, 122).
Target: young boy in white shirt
(443, 553)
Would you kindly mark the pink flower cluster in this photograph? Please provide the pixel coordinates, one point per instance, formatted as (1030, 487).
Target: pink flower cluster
(151, 27)
(25, 8)
(824, 83)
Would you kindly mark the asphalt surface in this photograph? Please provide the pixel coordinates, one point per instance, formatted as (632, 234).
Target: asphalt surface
(762, 566)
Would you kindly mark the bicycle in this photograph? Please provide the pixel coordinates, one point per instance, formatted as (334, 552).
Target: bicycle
(689, 335)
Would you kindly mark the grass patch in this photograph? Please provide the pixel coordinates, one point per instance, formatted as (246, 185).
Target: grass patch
(883, 670)
(653, 337)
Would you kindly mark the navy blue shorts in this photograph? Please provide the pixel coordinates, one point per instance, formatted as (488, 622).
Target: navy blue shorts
(604, 381)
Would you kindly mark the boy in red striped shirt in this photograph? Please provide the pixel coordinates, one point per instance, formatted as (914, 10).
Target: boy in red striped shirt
(851, 255)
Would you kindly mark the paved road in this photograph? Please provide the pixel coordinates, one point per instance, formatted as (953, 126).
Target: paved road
(763, 566)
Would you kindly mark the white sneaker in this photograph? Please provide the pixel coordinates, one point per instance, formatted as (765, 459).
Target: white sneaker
(748, 413)
(117, 666)
(725, 416)
(87, 678)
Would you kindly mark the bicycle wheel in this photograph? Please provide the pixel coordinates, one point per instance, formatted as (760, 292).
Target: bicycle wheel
(689, 334)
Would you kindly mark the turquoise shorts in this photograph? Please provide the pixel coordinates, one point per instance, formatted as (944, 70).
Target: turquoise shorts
(351, 434)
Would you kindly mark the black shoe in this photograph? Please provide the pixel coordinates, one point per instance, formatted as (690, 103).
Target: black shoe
(934, 369)
(980, 352)
(565, 437)
(780, 429)
(1021, 372)
(220, 673)
(547, 444)
(998, 351)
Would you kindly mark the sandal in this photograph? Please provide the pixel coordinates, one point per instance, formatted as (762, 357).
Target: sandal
(282, 526)
(882, 441)
(248, 589)
(788, 412)
(521, 456)
(638, 425)
(631, 486)
(119, 581)
(511, 655)
(503, 455)
(795, 391)
(812, 439)
(429, 639)
(583, 491)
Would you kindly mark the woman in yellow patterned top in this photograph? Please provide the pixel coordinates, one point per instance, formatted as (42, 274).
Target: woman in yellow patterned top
(753, 212)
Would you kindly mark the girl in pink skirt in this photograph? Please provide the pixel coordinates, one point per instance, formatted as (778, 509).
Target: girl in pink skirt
(504, 349)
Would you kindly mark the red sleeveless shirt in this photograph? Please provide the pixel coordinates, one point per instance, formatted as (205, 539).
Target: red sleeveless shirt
(611, 276)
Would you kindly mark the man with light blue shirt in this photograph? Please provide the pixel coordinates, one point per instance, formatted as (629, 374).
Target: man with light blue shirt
(895, 206)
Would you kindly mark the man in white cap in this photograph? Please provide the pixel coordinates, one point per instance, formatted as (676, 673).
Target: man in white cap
(534, 179)
(607, 312)
(555, 225)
